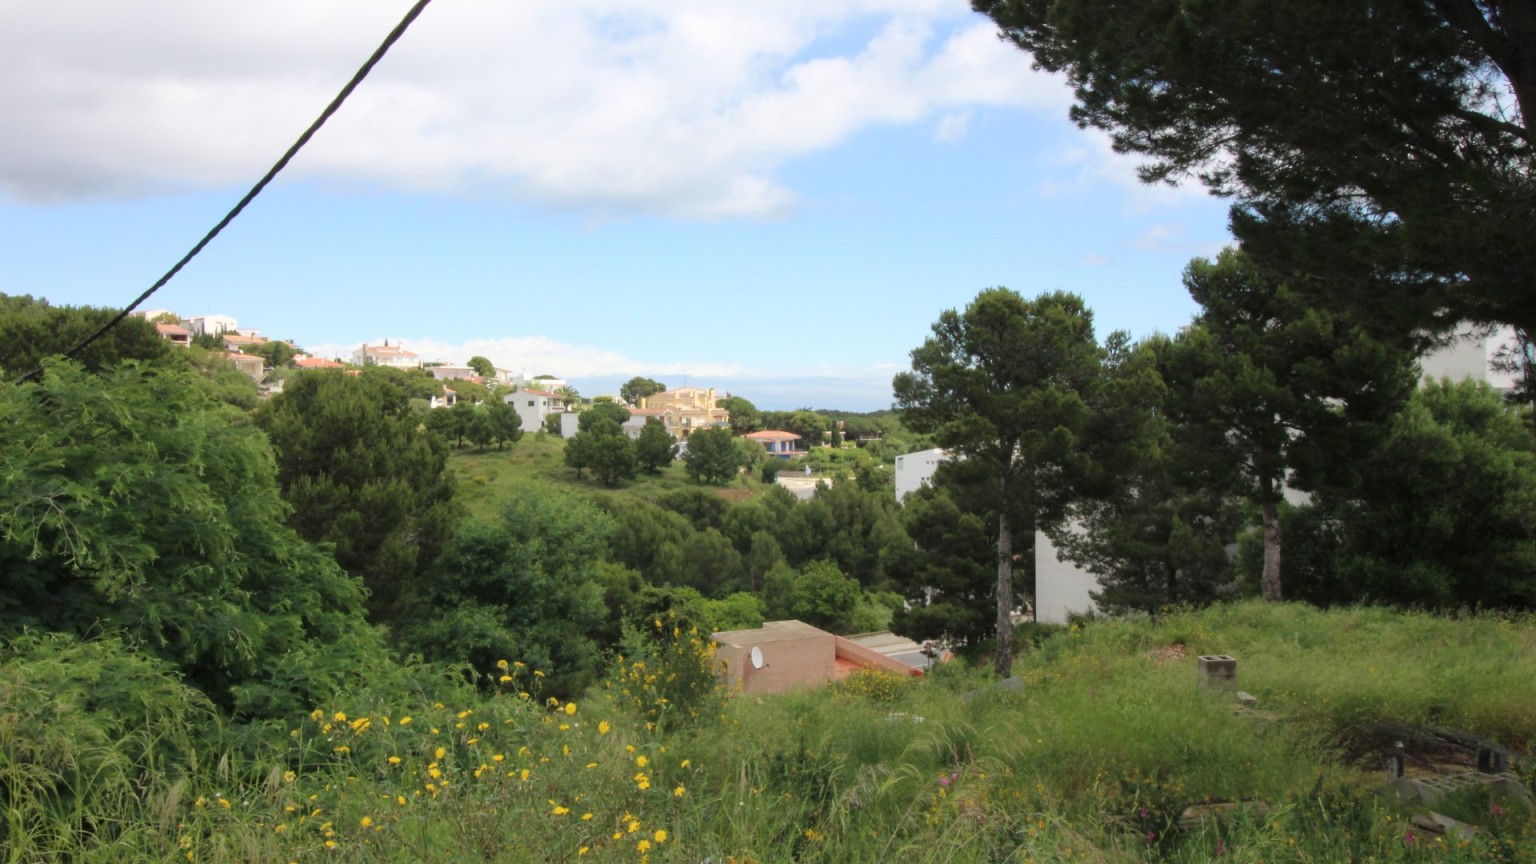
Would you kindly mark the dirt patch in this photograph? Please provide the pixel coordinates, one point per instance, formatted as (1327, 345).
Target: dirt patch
(734, 494)
(1168, 654)
(1427, 749)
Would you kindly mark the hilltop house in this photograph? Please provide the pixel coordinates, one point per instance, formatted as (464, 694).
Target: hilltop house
(385, 355)
(174, 334)
(534, 407)
(638, 417)
(692, 407)
(213, 325)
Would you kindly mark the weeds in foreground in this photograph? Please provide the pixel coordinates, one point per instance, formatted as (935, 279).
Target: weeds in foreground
(1100, 758)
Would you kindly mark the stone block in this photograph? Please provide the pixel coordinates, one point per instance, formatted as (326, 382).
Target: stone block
(1218, 672)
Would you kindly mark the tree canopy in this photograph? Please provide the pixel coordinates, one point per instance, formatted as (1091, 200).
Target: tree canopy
(524, 585)
(1383, 148)
(365, 475)
(712, 456)
(637, 388)
(35, 329)
(1007, 387)
(482, 366)
(1286, 391)
(138, 503)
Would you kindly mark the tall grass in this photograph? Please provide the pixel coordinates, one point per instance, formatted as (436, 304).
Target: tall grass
(1095, 759)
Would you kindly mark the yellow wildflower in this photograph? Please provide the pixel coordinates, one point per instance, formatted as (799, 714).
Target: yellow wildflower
(570, 708)
(660, 835)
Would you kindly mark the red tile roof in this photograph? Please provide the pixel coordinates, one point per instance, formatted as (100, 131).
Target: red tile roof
(317, 363)
(772, 435)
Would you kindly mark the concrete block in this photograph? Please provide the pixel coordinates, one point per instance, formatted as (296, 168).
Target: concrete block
(1218, 672)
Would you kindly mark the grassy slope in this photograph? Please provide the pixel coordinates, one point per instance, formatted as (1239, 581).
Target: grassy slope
(1093, 760)
(485, 477)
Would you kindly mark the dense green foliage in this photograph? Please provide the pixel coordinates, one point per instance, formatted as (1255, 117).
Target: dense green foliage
(1283, 389)
(139, 504)
(655, 447)
(522, 586)
(1095, 759)
(35, 330)
(637, 388)
(364, 475)
(712, 456)
(1444, 515)
(1009, 387)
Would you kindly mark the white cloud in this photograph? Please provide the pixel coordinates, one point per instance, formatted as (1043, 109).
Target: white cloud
(1089, 161)
(679, 107)
(952, 127)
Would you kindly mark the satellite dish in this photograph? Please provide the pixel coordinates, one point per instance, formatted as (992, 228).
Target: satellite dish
(757, 657)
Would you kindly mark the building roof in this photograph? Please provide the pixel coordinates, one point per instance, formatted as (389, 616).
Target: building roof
(771, 631)
(545, 393)
(172, 330)
(316, 363)
(772, 435)
(395, 350)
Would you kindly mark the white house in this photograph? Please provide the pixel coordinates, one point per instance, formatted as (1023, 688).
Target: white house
(638, 417)
(915, 469)
(385, 355)
(534, 406)
(1470, 354)
(548, 384)
(211, 324)
(454, 373)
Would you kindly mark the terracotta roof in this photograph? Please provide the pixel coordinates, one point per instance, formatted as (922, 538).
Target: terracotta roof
(172, 330)
(544, 393)
(772, 435)
(317, 363)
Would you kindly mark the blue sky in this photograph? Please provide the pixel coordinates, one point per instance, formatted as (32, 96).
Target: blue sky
(771, 199)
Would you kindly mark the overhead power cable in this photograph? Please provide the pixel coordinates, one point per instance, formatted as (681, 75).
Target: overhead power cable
(357, 78)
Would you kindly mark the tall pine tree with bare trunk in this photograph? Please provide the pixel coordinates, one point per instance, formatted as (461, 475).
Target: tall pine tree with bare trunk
(1007, 387)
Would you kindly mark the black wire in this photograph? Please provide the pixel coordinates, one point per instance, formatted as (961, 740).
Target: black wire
(362, 72)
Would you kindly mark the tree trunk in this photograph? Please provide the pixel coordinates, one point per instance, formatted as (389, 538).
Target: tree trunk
(1003, 659)
(1269, 583)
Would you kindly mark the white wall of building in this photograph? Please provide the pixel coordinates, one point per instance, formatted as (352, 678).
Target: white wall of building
(1061, 588)
(211, 324)
(532, 407)
(915, 469)
(1470, 355)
